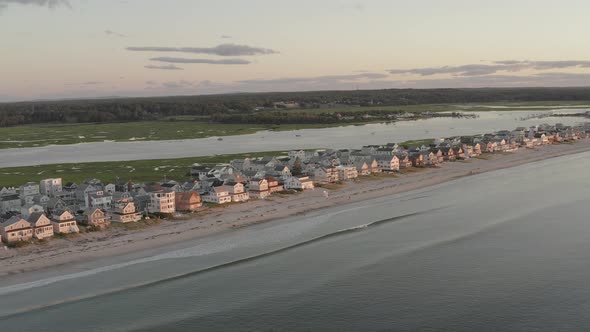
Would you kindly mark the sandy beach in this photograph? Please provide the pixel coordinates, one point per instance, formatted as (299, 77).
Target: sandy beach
(120, 240)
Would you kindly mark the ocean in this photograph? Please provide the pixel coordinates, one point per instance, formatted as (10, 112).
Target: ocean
(507, 250)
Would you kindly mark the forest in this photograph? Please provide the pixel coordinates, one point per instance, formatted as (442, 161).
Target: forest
(245, 107)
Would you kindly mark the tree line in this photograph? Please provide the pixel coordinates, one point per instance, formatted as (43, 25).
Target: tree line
(241, 107)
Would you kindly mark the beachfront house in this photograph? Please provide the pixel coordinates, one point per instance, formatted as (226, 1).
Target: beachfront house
(95, 217)
(429, 158)
(417, 159)
(42, 227)
(124, 211)
(448, 154)
(217, 195)
(258, 188)
(299, 183)
(459, 153)
(273, 184)
(162, 201)
(15, 229)
(362, 168)
(325, 174)
(346, 173)
(188, 201)
(542, 138)
(388, 163)
(237, 191)
(63, 222)
(404, 160)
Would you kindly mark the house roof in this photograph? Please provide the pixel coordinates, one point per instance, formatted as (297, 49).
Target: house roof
(10, 221)
(219, 189)
(12, 197)
(186, 195)
(34, 217)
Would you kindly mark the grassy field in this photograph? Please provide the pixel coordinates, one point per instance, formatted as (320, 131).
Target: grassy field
(42, 135)
(417, 143)
(479, 107)
(187, 127)
(139, 171)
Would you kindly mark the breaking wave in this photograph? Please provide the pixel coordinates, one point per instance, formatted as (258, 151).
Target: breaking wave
(335, 234)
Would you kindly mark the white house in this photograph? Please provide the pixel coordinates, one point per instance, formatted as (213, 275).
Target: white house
(237, 192)
(388, 163)
(299, 183)
(51, 187)
(162, 201)
(217, 195)
(100, 200)
(110, 188)
(28, 189)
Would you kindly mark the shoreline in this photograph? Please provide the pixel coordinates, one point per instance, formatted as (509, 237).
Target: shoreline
(119, 241)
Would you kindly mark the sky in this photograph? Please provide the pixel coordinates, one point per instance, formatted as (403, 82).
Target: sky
(53, 49)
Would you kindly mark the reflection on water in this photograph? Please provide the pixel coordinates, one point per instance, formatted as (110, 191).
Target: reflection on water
(338, 137)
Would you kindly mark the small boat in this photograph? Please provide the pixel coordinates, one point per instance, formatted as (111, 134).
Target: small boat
(297, 135)
(220, 139)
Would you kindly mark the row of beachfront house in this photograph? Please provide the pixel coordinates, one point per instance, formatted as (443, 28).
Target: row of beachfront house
(40, 210)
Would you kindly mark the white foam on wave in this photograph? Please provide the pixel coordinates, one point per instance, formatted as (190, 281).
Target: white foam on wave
(273, 235)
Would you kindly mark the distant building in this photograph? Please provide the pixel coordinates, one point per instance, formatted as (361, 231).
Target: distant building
(51, 187)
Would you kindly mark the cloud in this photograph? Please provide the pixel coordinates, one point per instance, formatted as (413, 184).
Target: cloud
(204, 86)
(84, 84)
(221, 50)
(115, 34)
(493, 68)
(318, 79)
(42, 3)
(166, 67)
(206, 61)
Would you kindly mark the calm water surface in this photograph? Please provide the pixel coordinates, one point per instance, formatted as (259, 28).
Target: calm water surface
(338, 137)
(507, 250)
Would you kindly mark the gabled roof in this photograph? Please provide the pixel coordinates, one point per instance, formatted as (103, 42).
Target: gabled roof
(11, 220)
(34, 217)
(89, 212)
(186, 195)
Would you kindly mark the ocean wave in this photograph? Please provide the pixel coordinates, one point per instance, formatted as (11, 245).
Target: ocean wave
(342, 232)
